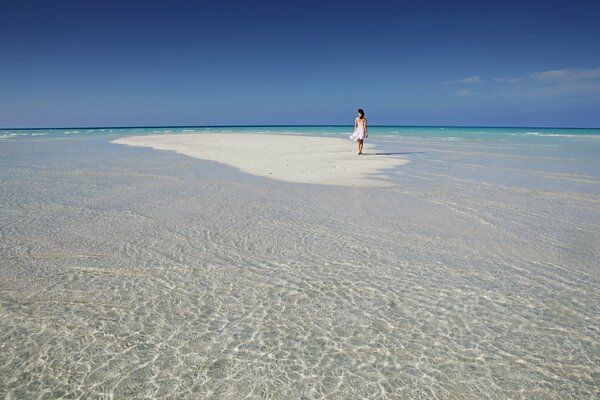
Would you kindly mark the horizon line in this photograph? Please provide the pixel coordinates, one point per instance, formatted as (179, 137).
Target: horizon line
(299, 125)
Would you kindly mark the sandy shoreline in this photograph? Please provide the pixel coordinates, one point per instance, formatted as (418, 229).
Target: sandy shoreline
(290, 158)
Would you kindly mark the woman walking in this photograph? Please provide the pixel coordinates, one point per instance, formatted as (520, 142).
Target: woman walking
(360, 130)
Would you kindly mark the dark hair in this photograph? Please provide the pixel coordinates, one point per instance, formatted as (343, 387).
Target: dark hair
(361, 112)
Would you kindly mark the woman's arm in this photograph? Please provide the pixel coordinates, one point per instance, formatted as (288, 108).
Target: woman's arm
(366, 129)
(355, 123)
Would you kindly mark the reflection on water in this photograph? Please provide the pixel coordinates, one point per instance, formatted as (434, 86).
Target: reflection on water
(130, 273)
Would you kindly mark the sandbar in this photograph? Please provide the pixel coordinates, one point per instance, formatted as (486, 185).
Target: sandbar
(289, 158)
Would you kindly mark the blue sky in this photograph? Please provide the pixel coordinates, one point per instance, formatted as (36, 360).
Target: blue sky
(143, 63)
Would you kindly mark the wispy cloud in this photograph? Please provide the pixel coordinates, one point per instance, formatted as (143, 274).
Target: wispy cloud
(569, 74)
(507, 80)
(470, 79)
(567, 82)
(464, 92)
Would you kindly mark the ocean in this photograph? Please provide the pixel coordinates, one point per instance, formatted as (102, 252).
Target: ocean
(450, 132)
(134, 273)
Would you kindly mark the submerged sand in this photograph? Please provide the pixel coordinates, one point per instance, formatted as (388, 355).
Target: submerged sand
(290, 158)
(130, 273)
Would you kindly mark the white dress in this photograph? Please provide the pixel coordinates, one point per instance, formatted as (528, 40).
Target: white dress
(359, 132)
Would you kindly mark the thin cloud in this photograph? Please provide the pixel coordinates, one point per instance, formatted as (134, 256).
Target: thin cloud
(570, 89)
(464, 92)
(470, 79)
(569, 74)
(507, 80)
(569, 83)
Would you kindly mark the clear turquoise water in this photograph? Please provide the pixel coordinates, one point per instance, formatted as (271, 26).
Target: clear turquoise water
(497, 133)
(132, 273)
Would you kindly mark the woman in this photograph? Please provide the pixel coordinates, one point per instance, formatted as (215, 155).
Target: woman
(360, 130)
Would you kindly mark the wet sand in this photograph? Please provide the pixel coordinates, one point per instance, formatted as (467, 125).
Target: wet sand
(290, 158)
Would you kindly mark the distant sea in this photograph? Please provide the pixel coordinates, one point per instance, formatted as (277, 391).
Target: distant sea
(439, 132)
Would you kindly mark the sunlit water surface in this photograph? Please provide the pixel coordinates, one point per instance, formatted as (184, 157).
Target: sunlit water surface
(131, 273)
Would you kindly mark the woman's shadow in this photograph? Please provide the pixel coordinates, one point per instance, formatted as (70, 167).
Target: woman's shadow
(392, 154)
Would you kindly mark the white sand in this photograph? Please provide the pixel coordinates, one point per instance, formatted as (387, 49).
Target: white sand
(291, 158)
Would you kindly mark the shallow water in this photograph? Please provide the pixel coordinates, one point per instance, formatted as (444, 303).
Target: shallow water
(132, 273)
(523, 135)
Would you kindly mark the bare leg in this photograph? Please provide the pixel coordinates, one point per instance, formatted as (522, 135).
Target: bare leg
(360, 146)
